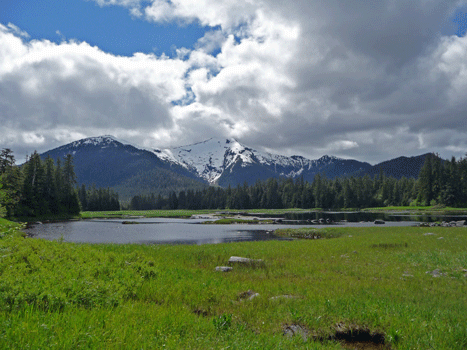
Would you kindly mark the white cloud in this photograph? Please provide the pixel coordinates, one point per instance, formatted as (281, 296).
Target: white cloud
(75, 86)
(14, 29)
(364, 80)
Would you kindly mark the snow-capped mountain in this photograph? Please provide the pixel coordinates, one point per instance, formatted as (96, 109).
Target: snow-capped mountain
(227, 161)
(129, 169)
(106, 161)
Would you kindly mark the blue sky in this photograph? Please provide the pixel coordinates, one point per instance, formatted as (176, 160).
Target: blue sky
(369, 80)
(111, 28)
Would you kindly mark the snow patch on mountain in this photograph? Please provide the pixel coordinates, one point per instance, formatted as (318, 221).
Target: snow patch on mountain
(212, 158)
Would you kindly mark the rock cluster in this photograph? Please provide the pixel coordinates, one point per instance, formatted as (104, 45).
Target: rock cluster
(460, 223)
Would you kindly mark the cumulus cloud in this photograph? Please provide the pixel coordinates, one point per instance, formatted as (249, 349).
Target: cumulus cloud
(74, 86)
(366, 80)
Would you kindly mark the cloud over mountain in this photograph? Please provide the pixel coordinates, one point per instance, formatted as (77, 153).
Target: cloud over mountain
(364, 80)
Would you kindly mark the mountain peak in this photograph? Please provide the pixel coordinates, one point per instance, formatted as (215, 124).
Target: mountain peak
(327, 158)
(96, 141)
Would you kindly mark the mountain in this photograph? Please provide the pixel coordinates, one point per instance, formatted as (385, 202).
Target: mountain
(107, 162)
(408, 167)
(227, 162)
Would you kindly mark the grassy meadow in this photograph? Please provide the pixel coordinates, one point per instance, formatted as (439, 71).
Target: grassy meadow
(406, 283)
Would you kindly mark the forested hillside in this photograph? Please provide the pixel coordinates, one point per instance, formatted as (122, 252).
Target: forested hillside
(48, 188)
(440, 182)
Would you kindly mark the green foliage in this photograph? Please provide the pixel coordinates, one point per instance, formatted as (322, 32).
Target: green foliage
(158, 181)
(309, 233)
(102, 199)
(46, 189)
(2, 200)
(67, 296)
(440, 183)
(51, 275)
(223, 322)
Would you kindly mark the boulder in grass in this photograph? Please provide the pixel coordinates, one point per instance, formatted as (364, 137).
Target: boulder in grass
(224, 268)
(244, 261)
(248, 295)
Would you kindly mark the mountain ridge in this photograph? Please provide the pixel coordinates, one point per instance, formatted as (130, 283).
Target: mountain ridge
(109, 162)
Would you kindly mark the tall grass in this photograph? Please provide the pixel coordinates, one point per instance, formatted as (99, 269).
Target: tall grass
(71, 296)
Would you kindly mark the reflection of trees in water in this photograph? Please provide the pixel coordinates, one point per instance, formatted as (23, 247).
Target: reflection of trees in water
(362, 216)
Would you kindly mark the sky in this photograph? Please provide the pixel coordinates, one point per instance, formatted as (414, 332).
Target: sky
(367, 80)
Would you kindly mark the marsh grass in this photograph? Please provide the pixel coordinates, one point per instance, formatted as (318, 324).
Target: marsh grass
(309, 233)
(72, 296)
(229, 221)
(434, 209)
(182, 213)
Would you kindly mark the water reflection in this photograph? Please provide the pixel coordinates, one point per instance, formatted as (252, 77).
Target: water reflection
(357, 216)
(149, 231)
(192, 231)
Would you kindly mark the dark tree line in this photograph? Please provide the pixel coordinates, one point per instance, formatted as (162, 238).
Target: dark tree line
(98, 199)
(352, 192)
(440, 182)
(38, 188)
(44, 187)
(41, 188)
(443, 182)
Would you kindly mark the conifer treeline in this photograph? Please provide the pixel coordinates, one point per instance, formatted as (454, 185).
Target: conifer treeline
(42, 188)
(440, 182)
(98, 199)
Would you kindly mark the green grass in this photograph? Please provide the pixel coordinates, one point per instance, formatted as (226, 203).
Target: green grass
(309, 233)
(72, 296)
(420, 209)
(228, 221)
(181, 213)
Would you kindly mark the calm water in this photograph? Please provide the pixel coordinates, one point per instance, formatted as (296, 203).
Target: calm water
(165, 231)
(363, 216)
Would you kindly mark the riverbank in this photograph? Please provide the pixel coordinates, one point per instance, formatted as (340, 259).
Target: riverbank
(405, 284)
(249, 212)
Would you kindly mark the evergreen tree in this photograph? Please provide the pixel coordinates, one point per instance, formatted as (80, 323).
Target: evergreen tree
(10, 178)
(425, 180)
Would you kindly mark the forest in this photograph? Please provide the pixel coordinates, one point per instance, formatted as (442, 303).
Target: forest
(440, 182)
(48, 188)
(45, 188)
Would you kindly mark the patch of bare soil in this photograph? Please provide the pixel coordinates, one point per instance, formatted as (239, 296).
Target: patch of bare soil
(352, 337)
(359, 338)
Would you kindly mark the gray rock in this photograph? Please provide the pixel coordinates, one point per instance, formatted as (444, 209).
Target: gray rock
(224, 268)
(460, 223)
(248, 295)
(436, 273)
(294, 329)
(285, 296)
(428, 234)
(246, 261)
(253, 296)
